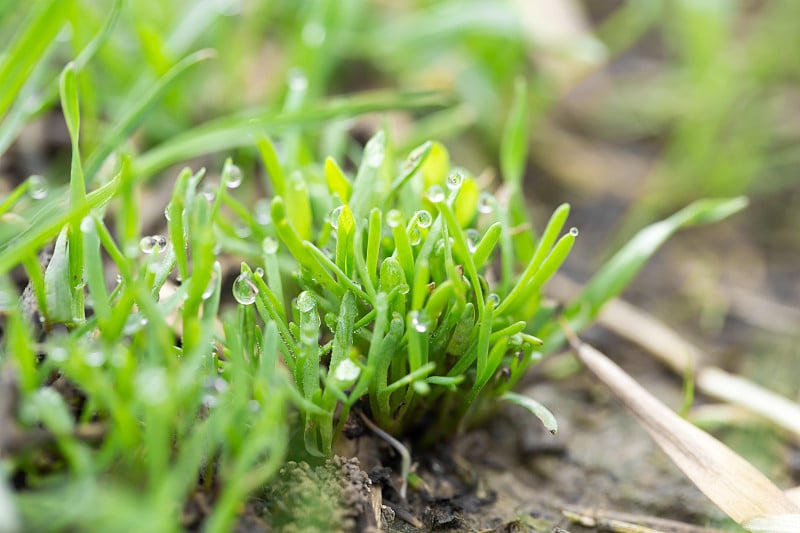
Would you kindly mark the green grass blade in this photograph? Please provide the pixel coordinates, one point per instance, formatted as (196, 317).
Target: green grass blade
(514, 145)
(143, 103)
(38, 31)
(239, 130)
(538, 410)
(617, 272)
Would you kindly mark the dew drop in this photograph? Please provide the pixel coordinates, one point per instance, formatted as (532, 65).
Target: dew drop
(297, 80)
(161, 243)
(439, 249)
(166, 214)
(473, 236)
(374, 151)
(244, 291)
(394, 218)
(346, 371)
(212, 284)
(454, 180)
(486, 203)
(147, 245)
(516, 341)
(424, 218)
(306, 302)
(232, 175)
(151, 385)
(58, 354)
(259, 272)
(413, 158)
(269, 245)
(334, 216)
(87, 224)
(209, 191)
(417, 323)
(242, 229)
(436, 194)
(313, 34)
(262, 212)
(574, 232)
(414, 235)
(94, 358)
(403, 288)
(493, 299)
(37, 187)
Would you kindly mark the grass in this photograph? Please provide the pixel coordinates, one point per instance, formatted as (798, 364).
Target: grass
(385, 280)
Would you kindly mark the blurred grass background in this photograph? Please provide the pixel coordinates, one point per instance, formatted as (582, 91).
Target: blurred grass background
(636, 108)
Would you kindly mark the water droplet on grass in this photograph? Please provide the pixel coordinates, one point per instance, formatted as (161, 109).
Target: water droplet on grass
(473, 236)
(297, 80)
(306, 302)
(166, 214)
(374, 151)
(486, 203)
(232, 175)
(313, 34)
(424, 218)
(414, 235)
(269, 245)
(244, 291)
(436, 194)
(147, 245)
(493, 298)
(346, 371)
(417, 323)
(209, 290)
(574, 232)
(87, 224)
(209, 191)
(394, 218)
(151, 385)
(334, 215)
(262, 212)
(259, 272)
(94, 358)
(37, 187)
(58, 354)
(454, 181)
(242, 229)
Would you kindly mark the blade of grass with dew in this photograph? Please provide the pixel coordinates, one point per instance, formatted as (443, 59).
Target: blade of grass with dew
(543, 247)
(617, 272)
